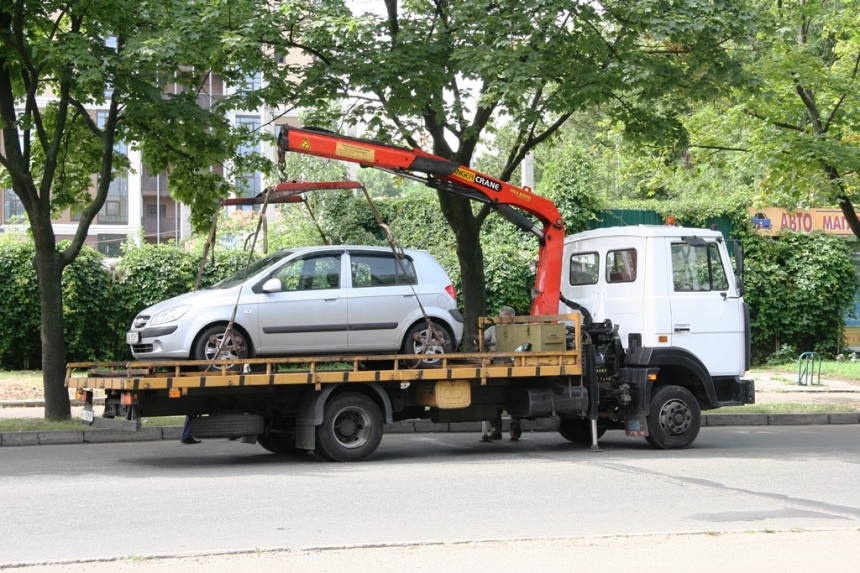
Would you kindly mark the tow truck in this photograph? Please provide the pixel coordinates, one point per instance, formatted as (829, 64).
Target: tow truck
(636, 329)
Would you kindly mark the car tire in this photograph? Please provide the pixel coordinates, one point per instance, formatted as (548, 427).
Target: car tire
(208, 340)
(351, 428)
(674, 418)
(415, 342)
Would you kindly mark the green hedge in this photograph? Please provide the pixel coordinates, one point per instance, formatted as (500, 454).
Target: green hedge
(798, 286)
(798, 289)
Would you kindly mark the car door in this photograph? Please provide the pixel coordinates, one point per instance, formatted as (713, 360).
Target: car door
(706, 317)
(381, 299)
(309, 313)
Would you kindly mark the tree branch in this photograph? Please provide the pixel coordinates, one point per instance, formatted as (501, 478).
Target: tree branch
(774, 123)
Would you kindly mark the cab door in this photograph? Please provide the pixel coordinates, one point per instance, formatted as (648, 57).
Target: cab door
(707, 315)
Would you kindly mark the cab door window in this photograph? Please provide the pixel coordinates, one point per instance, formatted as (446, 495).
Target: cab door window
(697, 268)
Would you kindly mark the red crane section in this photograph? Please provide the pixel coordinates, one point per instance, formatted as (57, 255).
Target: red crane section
(445, 175)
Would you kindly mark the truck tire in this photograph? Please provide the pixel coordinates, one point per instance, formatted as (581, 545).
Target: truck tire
(416, 342)
(208, 341)
(674, 418)
(351, 428)
(577, 431)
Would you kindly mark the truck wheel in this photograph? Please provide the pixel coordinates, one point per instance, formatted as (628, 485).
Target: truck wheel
(351, 428)
(235, 348)
(419, 340)
(577, 431)
(674, 418)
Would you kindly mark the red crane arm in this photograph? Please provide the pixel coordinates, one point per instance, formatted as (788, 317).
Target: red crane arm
(446, 175)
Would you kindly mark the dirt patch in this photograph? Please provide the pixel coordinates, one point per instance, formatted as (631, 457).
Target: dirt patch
(22, 385)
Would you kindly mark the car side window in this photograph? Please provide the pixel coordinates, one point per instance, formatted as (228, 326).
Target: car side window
(621, 266)
(584, 269)
(314, 273)
(697, 268)
(381, 270)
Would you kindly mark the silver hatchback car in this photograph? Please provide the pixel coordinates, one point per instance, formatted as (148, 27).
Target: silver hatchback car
(310, 300)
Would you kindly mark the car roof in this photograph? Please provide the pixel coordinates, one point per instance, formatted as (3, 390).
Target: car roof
(350, 248)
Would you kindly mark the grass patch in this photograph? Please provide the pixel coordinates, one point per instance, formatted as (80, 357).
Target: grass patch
(829, 369)
(786, 409)
(42, 425)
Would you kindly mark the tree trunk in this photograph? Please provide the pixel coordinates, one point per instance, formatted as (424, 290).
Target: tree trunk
(458, 213)
(49, 269)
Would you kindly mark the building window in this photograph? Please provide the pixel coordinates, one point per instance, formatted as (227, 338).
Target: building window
(248, 184)
(13, 209)
(115, 209)
(156, 210)
(110, 245)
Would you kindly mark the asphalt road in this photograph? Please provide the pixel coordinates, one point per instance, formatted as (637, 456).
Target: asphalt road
(60, 503)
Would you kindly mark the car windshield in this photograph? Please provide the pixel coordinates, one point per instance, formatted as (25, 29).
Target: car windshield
(253, 269)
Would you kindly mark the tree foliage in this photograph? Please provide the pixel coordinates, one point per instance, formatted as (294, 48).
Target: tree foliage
(117, 72)
(444, 75)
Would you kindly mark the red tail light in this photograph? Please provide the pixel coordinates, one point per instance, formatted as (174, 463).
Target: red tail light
(450, 290)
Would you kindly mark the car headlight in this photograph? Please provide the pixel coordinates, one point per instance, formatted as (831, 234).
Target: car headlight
(169, 315)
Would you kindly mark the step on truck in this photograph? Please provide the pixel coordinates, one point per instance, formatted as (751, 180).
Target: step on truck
(634, 328)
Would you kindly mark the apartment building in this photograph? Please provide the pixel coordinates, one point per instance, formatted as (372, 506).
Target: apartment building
(139, 206)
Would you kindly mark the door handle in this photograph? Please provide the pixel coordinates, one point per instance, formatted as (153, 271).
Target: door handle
(335, 299)
(682, 328)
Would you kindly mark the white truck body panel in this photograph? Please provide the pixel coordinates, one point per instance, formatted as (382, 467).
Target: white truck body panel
(648, 280)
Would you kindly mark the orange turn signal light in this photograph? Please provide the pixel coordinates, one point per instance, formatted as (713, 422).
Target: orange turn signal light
(662, 338)
(128, 398)
(174, 393)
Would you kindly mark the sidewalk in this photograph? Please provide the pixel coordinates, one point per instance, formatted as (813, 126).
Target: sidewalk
(771, 388)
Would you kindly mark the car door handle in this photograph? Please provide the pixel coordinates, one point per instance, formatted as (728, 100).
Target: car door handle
(335, 299)
(682, 328)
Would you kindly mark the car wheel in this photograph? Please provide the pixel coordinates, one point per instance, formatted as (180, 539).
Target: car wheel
(420, 340)
(351, 428)
(577, 431)
(210, 340)
(674, 418)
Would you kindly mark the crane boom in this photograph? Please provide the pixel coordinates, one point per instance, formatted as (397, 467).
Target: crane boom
(445, 175)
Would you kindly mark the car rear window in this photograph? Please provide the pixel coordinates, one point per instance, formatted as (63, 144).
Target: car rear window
(381, 270)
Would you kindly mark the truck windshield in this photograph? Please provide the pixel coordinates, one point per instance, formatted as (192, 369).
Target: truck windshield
(253, 269)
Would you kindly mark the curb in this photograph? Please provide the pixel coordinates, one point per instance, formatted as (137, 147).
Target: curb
(87, 435)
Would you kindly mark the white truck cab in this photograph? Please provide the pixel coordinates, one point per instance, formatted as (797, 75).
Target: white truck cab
(671, 286)
(670, 299)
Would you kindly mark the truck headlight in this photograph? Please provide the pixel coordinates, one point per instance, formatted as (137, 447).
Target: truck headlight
(169, 315)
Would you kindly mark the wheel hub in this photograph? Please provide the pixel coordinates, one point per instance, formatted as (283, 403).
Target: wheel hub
(675, 417)
(352, 428)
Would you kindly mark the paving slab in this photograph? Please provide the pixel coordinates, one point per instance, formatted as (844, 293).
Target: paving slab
(19, 439)
(797, 419)
(61, 437)
(102, 435)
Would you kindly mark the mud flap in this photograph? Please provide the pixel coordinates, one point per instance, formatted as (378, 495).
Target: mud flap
(636, 425)
(305, 437)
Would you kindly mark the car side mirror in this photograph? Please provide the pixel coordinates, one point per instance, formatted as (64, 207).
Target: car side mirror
(272, 285)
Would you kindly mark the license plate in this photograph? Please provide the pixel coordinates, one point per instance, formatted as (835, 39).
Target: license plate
(87, 416)
(132, 337)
